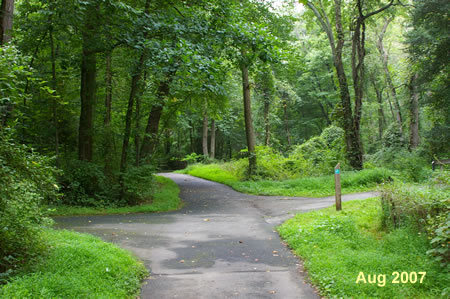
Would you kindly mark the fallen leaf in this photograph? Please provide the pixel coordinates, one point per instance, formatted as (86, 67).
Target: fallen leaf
(272, 292)
(206, 219)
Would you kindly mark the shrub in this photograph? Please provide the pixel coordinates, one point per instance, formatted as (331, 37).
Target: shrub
(423, 207)
(409, 166)
(139, 184)
(322, 153)
(85, 184)
(26, 180)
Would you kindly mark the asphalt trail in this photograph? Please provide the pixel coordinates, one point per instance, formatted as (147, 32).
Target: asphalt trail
(222, 244)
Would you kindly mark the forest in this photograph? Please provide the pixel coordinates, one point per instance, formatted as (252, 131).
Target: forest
(98, 96)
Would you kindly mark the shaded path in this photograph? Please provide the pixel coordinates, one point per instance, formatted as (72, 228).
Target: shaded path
(222, 244)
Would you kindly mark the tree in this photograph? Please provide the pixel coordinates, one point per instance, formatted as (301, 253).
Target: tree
(6, 20)
(428, 43)
(351, 118)
(88, 83)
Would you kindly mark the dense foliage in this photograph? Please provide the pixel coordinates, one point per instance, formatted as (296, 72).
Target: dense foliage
(97, 95)
(338, 246)
(27, 180)
(425, 208)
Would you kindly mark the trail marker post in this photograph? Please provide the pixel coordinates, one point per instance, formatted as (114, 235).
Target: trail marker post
(337, 186)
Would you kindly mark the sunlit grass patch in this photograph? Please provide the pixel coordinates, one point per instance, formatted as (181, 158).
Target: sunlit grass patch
(337, 246)
(78, 266)
(352, 181)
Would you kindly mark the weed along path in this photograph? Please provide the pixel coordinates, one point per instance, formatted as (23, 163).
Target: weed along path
(221, 244)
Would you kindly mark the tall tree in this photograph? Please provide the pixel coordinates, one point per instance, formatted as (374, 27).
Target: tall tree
(351, 118)
(205, 130)
(134, 89)
(88, 81)
(212, 148)
(414, 119)
(385, 60)
(6, 21)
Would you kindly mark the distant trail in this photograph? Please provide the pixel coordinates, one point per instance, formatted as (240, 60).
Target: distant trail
(222, 244)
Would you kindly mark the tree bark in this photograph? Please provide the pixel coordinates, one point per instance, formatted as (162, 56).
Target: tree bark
(54, 102)
(205, 131)
(354, 152)
(108, 137)
(385, 61)
(381, 117)
(135, 81)
(108, 83)
(286, 119)
(87, 93)
(350, 121)
(6, 21)
(213, 139)
(250, 133)
(414, 113)
(151, 139)
(266, 121)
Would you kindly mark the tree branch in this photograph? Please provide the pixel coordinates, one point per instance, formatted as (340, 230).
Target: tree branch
(378, 10)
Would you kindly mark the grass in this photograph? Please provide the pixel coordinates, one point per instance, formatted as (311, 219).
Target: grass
(78, 266)
(352, 182)
(165, 198)
(337, 246)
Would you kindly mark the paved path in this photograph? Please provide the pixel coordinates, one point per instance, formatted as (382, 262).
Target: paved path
(222, 244)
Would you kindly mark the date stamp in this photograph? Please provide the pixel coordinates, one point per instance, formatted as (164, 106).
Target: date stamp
(396, 277)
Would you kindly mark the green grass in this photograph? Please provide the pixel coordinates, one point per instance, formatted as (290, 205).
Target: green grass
(165, 198)
(78, 266)
(336, 247)
(352, 182)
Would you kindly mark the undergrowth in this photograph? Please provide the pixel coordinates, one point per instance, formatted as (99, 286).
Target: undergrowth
(165, 197)
(78, 266)
(337, 246)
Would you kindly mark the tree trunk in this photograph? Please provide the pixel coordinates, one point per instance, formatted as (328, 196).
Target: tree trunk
(350, 121)
(286, 119)
(213, 139)
(266, 120)
(87, 94)
(151, 139)
(250, 133)
(108, 83)
(54, 102)
(414, 113)
(137, 130)
(135, 81)
(385, 60)
(108, 141)
(354, 152)
(205, 132)
(381, 118)
(6, 21)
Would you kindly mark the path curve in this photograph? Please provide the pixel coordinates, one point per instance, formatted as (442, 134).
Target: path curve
(222, 244)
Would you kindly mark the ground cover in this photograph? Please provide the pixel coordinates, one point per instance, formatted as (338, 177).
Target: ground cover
(165, 198)
(77, 266)
(338, 246)
(320, 186)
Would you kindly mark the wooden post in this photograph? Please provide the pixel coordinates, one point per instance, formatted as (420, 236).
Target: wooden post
(337, 183)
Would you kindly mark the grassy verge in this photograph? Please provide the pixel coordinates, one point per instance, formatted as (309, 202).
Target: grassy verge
(352, 182)
(336, 247)
(164, 199)
(78, 266)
